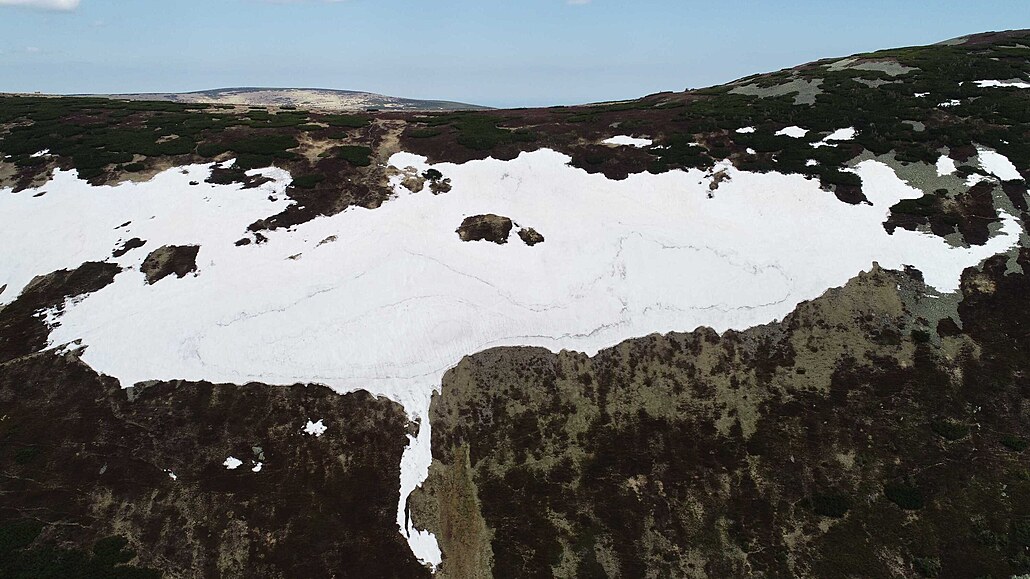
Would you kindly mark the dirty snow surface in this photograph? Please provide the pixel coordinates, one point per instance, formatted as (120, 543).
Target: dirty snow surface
(398, 298)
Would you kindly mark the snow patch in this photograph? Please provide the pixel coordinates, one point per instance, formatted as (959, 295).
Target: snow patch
(746, 130)
(976, 178)
(1001, 84)
(839, 135)
(232, 463)
(946, 166)
(847, 134)
(625, 140)
(997, 164)
(316, 429)
(793, 132)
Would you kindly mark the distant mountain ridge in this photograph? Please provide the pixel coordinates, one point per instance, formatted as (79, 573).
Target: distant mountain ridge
(316, 98)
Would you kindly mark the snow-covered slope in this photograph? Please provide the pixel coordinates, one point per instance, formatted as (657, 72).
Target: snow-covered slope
(388, 299)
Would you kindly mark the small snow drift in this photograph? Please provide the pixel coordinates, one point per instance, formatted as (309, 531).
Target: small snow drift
(489, 227)
(164, 261)
(232, 463)
(316, 429)
(946, 166)
(1002, 84)
(847, 134)
(793, 132)
(997, 164)
(628, 141)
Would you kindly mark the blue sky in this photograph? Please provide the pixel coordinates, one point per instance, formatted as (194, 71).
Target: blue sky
(493, 52)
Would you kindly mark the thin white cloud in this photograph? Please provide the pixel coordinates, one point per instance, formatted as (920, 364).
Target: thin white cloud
(579, 2)
(60, 5)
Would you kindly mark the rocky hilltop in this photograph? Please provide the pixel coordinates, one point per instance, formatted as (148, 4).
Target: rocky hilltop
(313, 98)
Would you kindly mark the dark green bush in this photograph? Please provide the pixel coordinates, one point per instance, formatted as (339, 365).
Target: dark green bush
(348, 121)
(1015, 443)
(424, 133)
(927, 566)
(356, 155)
(308, 181)
(950, 429)
(24, 558)
(831, 505)
(905, 495)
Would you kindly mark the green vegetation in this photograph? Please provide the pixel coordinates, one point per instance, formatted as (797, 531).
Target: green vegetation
(262, 119)
(905, 495)
(481, 132)
(1015, 443)
(927, 567)
(347, 121)
(950, 429)
(681, 151)
(26, 455)
(24, 556)
(97, 133)
(308, 181)
(357, 155)
(424, 133)
(925, 206)
(831, 505)
(253, 150)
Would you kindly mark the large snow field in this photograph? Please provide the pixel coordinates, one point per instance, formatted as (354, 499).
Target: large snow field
(388, 299)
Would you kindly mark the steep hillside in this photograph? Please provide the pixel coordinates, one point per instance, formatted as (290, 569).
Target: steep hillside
(771, 328)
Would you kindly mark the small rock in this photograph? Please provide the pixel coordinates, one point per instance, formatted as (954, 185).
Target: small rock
(487, 227)
(530, 236)
(166, 260)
